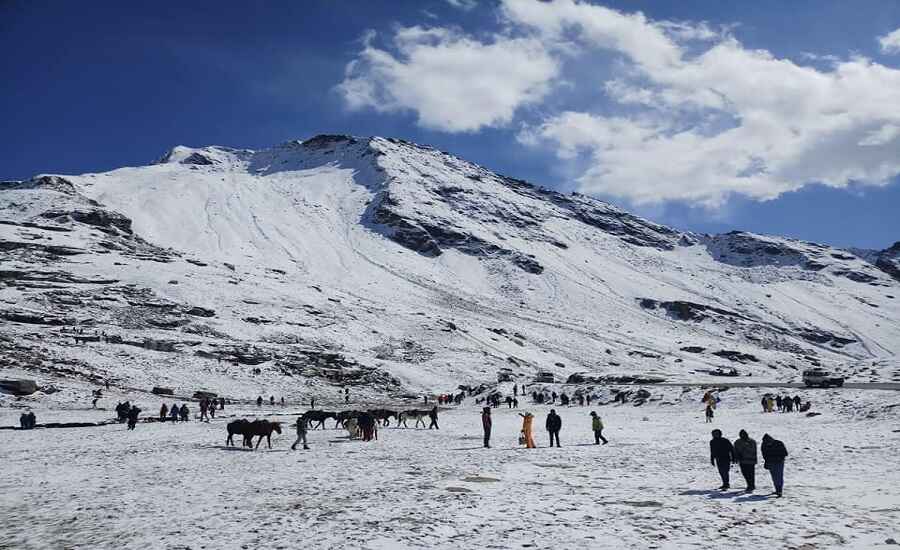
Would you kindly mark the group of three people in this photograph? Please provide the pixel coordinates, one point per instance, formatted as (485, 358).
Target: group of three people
(722, 454)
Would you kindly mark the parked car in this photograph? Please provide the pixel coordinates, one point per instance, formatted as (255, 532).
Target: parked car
(545, 377)
(821, 378)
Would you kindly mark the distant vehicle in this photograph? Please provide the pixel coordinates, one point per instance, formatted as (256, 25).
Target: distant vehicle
(545, 377)
(505, 375)
(821, 378)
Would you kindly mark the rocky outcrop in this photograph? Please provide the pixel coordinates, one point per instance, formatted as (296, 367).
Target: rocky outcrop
(18, 387)
(105, 220)
(689, 311)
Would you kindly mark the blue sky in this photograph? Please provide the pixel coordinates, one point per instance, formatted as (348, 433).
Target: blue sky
(708, 116)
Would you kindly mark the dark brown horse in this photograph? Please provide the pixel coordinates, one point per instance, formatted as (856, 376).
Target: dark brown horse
(237, 427)
(261, 428)
(316, 419)
(383, 415)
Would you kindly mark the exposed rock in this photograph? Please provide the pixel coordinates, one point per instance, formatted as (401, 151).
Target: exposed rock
(736, 356)
(18, 387)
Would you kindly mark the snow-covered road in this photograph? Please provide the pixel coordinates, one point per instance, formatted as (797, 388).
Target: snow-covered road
(178, 486)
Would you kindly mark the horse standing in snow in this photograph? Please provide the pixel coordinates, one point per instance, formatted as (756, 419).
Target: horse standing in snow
(318, 418)
(261, 428)
(419, 414)
(238, 427)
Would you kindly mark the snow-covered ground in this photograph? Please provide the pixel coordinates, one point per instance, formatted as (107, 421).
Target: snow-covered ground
(178, 486)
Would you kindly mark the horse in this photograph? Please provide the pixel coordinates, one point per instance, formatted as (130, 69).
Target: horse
(237, 427)
(261, 428)
(317, 417)
(341, 418)
(383, 415)
(418, 414)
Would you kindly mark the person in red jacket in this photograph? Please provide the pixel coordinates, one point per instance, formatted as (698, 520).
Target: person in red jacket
(486, 423)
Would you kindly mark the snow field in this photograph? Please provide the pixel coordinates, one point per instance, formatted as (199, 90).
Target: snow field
(178, 486)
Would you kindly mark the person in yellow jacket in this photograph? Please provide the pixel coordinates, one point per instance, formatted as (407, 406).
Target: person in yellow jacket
(597, 426)
(527, 422)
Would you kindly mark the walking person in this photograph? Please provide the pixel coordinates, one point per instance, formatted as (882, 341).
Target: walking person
(554, 424)
(745, 456)
(709, 413)
(527, 430)
(774, 452)
(433, 417)
(301, 433)
(163, 413)
(133, 413)
(212, 408)
(721, 453)
(597, 426)
(486, 423)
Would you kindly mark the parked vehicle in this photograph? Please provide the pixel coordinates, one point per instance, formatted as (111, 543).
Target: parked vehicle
(545, 377)
(505, 375)
(821, 378)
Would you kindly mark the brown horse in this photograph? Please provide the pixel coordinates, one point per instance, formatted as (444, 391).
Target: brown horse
(261, 428)
(237, 427)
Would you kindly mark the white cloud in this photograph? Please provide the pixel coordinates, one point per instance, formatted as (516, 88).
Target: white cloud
(890, 43)
(689, 114)
(453, 82)
(727, 120)
(465, 5)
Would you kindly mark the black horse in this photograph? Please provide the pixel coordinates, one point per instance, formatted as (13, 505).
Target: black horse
(383, 415)
(316, 419)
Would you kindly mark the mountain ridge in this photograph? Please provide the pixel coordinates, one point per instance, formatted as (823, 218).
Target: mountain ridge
(412, 268)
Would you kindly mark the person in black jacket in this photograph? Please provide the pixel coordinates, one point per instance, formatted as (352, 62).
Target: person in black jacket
(774, 452)
(486, 423)
(433, 416)
(554, 424)
(721, 453)
(745, 455)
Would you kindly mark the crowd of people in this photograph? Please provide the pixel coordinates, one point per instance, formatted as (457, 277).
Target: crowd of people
(784, 404)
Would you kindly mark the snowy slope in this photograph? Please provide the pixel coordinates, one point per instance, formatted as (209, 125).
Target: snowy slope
(399, 267)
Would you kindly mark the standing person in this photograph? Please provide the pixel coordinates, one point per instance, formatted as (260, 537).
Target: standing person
(425, 397)
(721, 453)
(312, 403)
(486, 423)
(554, 424)
(184, 413)
(212, 408)
(301, 433)
(259, 401)
(527, 430)
(778, 403)
(346, 396)
(163, 413)
(774, 452)
(745, 456)
(271, 400)
(515, 403)
(433, 416)
(204, 408)
(221, 403)
(765, 403)
(709, 413)
(515, 390)
(797, 403)
(133, 413)
(597, 426)
(174, 412)
(282, 401)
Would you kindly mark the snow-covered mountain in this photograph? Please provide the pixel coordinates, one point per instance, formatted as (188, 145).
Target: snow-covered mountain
(393, 267)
